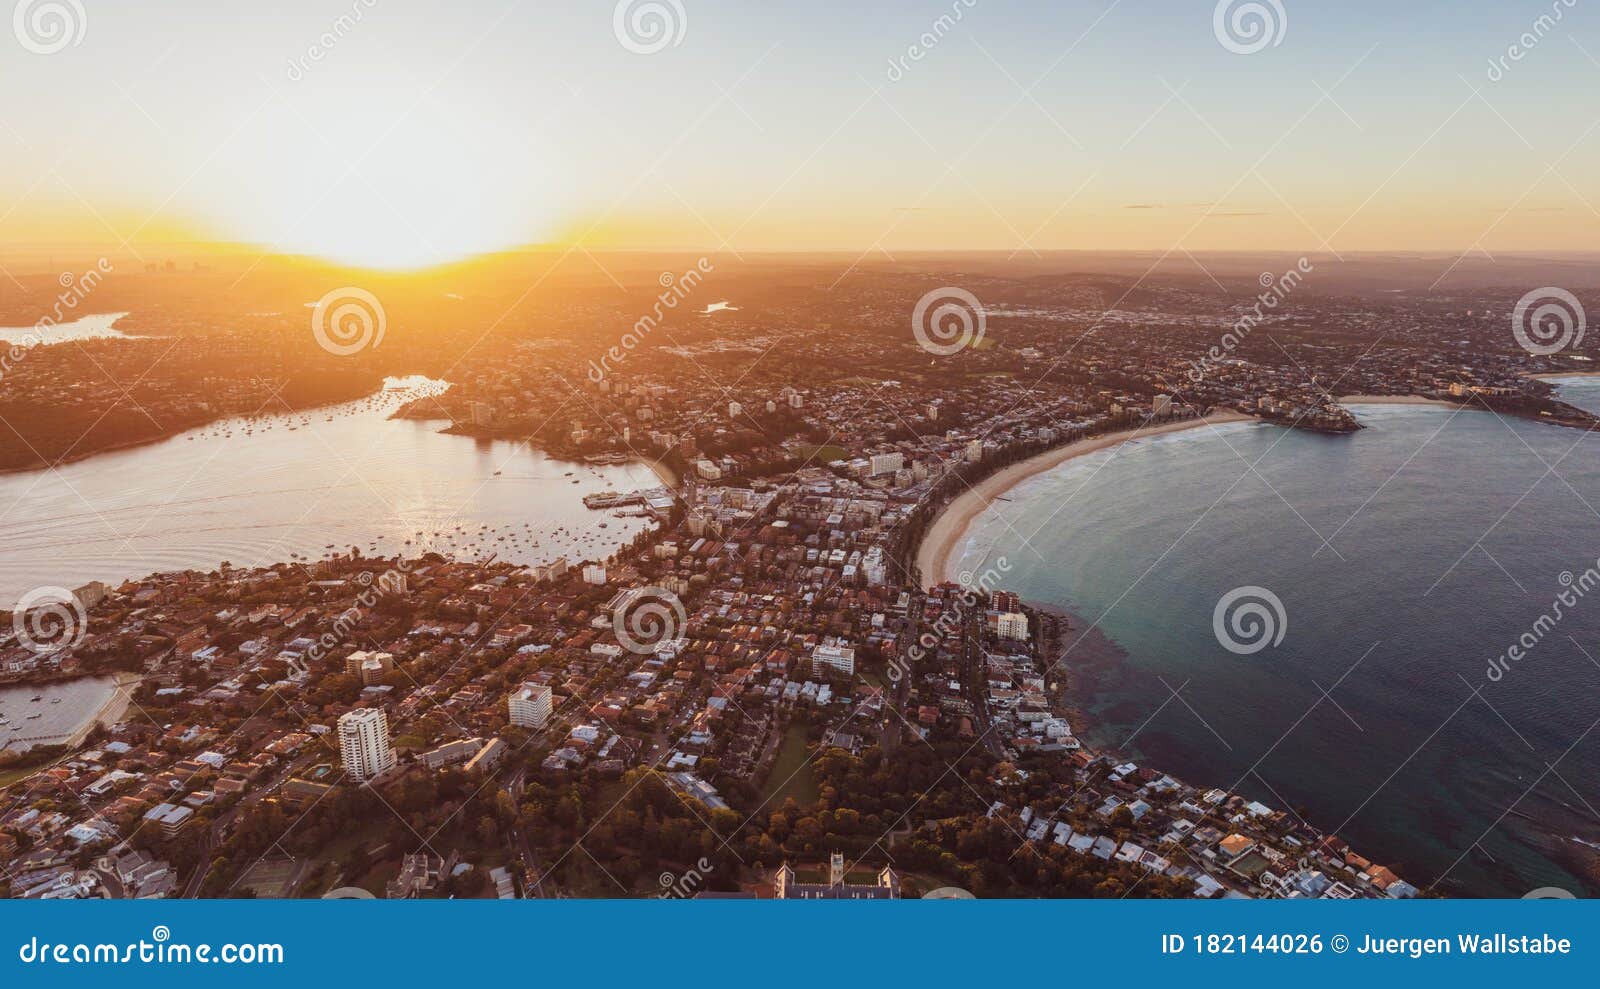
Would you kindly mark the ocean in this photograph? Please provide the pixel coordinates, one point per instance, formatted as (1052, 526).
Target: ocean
(1408, 558)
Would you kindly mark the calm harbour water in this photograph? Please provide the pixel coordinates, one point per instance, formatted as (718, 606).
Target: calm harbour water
(1450, 536)
(62, 708)
(273, 489)
(99, 326)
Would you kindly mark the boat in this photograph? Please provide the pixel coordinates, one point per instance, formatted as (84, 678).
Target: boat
(36, 698)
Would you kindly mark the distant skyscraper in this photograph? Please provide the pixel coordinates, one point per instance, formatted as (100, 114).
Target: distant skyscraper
(364, 743)
(530, 705)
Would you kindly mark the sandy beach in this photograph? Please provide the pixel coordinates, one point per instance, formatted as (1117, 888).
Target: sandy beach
(112, 711)
(1545, 376)
(945, 534)
(1393, 400)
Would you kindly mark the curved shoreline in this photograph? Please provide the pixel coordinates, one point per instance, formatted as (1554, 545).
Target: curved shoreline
(937, 549)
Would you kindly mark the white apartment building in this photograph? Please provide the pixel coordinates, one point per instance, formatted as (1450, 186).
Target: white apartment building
(595, 574)
(835, 657)
(887, 463)
(1011, 625)
(529, 705)
(364, 743)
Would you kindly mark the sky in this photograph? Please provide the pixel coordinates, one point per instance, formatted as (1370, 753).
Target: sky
(404, 133)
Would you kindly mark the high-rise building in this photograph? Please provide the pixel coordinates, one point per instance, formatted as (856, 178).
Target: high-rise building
(887, 463)
(1011, 625)
(530, 705)
(364, 743)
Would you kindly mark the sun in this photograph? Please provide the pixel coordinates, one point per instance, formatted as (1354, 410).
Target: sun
(389, 184)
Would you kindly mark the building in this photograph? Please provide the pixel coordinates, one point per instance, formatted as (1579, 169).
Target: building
(833, 656)
(595, 574)
(785, 887)
(1011, 625)
(530, 705)
(488, 757)
(452, 753)
(364, 745)
(170, 818)
(368, 666)
(887, 463)
(1162, 405)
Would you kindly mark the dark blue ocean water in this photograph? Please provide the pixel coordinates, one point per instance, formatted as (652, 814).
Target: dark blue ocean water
(1447, 537)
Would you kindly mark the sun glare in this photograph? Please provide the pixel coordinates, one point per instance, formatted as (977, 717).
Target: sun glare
(397, 186)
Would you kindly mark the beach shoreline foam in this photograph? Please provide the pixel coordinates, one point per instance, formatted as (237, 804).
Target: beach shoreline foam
(937, 550)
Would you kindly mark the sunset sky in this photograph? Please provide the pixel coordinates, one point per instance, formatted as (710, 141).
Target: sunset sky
(428, 132)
